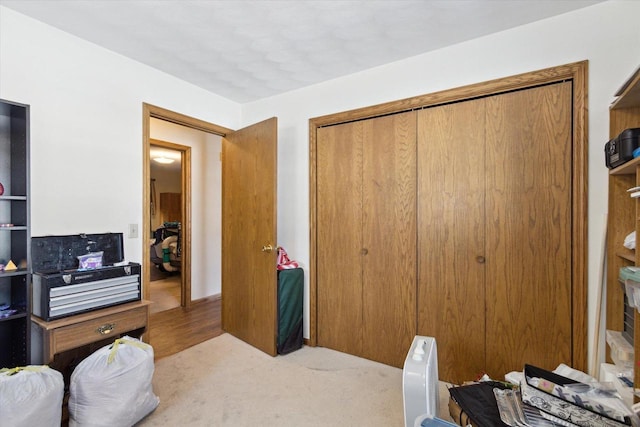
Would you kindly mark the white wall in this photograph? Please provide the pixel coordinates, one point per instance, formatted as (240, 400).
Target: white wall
(86, 125)
(607, 34)
(86, 118)
(206, 203)
(167, 180)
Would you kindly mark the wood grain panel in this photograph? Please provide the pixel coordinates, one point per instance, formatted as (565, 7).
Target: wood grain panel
(389, 237)
(339, 237)
(170, 207)
(76, 335)
(172, 331)
(451, 290)
(629, 96)
(529, 224)
(624, 213)
(74, 331)
(577, 73)
(620, 223)
(622, 119)
(249, 281)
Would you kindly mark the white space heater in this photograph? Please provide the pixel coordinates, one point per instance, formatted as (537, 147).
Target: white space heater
(420, 380)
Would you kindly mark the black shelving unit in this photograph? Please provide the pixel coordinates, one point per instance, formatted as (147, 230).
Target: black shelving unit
(15, 235)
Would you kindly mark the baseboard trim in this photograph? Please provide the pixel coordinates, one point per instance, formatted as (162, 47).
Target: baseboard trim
(209, 298)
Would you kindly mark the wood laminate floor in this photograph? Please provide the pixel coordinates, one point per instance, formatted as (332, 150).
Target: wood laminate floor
(165, 293)
(174, 330)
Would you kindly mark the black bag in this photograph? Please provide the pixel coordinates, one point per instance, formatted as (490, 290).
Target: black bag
(479, 403)
(290, 300)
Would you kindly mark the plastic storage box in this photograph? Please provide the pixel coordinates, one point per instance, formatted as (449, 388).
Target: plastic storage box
(621, 351)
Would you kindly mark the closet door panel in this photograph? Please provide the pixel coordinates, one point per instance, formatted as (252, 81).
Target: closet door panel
(389, 237)
(451, 285)
(339, 237)
(529, 228)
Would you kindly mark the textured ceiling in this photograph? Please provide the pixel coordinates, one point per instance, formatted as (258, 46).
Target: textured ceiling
(247, 50)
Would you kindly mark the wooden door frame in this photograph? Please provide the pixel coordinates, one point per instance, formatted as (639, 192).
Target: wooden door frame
(151, 111)
(185, 209)
(578, 73)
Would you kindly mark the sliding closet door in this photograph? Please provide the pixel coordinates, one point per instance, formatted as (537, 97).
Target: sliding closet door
(389, 238)
(339, 236)
(451, 252)
(528, 229)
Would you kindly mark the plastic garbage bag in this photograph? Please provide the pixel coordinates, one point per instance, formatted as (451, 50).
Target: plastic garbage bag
(112, 387)
(31, 396)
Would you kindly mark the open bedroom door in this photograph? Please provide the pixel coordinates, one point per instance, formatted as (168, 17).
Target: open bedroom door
(249, 277)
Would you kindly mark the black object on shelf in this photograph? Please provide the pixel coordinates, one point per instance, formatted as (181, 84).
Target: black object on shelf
(620, 149)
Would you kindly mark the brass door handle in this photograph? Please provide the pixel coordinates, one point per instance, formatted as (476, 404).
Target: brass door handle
(267, 248)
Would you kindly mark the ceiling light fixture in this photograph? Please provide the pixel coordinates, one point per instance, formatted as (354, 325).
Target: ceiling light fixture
(163, 160)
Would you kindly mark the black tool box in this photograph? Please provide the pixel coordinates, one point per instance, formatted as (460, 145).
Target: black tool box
(61, 288)
(620, 149)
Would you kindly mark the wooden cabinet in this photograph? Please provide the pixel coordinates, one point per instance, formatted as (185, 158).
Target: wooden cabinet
(366, 237)
(494, 235)
(170, 207)
(70, 333)
(14, 234)
(623, 216)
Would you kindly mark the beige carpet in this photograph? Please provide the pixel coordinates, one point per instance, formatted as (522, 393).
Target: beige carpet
(226, 382)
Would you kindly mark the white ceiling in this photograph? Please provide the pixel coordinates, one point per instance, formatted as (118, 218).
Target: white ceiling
(247, 50)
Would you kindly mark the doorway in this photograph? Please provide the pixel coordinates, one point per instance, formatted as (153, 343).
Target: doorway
(195, 320)
(167, 195)
(249, 163)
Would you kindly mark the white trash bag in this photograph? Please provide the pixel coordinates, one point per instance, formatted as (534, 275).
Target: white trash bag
(112, 387)
(31, 396)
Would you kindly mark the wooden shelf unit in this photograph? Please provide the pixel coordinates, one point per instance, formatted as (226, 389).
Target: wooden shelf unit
(624, 215)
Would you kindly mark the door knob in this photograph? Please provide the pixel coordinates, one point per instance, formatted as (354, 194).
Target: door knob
(267, 248)
(364, 251)
(480, 259)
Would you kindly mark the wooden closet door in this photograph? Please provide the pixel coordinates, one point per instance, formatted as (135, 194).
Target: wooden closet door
(366, 256)
(389, 238)
(249, 213)
(451, 191)
(528, 228)
(339, 237)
